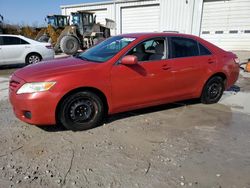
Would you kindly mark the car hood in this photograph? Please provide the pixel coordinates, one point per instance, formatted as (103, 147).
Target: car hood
(50, 69)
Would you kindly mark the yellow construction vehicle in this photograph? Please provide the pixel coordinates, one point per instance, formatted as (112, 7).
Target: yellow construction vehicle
(29, 32)
(83, 33)
(56, 24)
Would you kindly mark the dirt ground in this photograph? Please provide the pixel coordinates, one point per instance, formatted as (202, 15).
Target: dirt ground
(185, 144)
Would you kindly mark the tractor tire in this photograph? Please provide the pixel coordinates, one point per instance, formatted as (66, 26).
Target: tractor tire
(43, 38)
(69, 45)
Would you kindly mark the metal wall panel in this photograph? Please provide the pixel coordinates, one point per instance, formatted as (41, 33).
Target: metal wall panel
(176, 15)
(181, 15)
(130, 4)
(227, 24)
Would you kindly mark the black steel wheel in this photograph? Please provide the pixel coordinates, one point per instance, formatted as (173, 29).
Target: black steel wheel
(81, 111)
(213, 90)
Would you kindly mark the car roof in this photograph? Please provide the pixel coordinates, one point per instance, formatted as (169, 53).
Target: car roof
(157, 34)
(9, 35)
(31, 41)
(142, 36)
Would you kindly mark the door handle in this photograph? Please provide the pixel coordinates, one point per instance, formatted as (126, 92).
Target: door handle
(166, 67)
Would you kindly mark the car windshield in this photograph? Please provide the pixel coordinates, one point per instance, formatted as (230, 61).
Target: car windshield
(106, 49)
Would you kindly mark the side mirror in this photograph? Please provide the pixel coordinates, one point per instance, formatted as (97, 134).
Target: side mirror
(129, 60)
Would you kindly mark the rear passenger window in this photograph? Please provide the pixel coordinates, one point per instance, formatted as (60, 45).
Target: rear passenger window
(204, 50)
(23, 41)
(183, 47)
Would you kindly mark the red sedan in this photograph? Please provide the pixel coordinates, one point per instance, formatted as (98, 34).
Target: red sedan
(122, 73)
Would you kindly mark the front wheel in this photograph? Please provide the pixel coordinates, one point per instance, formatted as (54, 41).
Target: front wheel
(213, 90)
(69, 45)
(81, 111)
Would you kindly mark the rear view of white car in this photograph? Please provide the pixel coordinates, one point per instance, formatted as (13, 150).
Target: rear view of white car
(19, 49)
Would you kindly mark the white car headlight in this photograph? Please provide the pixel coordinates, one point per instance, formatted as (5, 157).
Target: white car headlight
(35, 87)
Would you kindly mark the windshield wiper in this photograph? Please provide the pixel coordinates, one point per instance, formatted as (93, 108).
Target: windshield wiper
(82, 58)
(86, 59)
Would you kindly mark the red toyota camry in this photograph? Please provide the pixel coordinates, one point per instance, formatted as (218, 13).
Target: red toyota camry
(122, 73)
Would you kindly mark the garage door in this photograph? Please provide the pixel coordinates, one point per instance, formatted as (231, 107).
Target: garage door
(227, 24)
(140, 19)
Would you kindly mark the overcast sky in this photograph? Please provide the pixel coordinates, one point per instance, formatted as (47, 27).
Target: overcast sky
(33, 12)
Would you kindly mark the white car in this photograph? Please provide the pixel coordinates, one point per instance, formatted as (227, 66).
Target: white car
(19, 49)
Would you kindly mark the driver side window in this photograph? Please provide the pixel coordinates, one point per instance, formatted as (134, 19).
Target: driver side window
(150, 50)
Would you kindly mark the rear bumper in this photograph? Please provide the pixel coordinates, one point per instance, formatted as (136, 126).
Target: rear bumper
(233, 76)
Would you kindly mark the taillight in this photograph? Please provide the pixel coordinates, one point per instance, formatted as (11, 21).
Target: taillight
(49, 46)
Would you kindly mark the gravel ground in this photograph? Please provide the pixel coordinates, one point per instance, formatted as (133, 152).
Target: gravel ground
(185, 144)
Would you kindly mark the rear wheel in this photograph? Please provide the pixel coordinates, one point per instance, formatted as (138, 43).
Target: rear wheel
(81, 111)
(69, 45)
(213, 90)
(32, 58)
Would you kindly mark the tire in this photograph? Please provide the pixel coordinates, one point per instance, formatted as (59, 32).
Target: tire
(32, 58)
(213, 90)
(81, 111)
(69, 45)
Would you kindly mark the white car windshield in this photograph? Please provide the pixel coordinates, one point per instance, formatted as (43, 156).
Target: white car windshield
(106, 49)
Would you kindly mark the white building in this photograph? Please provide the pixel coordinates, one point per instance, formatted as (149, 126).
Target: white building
(225, 23)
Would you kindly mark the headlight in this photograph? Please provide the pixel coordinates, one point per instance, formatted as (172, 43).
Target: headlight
(35, 87)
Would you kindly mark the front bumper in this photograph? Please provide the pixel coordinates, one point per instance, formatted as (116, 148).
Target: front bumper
(36, 108)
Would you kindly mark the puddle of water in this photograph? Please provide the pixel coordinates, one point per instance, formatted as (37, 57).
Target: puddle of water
(237, 101)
